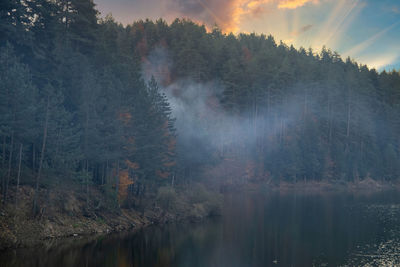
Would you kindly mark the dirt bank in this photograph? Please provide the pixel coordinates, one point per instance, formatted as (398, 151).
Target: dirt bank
(65, 214)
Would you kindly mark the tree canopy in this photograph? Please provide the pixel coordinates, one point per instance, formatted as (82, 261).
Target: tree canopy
(88, 100)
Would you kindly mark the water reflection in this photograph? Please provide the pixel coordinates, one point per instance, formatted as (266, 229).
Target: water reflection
(255, 230)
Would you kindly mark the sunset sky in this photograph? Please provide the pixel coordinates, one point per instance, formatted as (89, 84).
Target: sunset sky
(366, 30)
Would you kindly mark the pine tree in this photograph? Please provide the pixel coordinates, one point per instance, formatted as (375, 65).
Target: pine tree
(17, 94)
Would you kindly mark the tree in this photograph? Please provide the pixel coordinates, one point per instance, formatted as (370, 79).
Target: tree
(17, 94)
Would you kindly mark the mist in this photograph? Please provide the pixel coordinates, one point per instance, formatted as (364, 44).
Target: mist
(212, 136)
(265, 134)
(109, 128)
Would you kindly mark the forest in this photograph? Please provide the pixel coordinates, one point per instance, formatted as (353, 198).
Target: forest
(88, 103)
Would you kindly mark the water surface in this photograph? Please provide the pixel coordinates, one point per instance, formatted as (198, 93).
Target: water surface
(271, 229)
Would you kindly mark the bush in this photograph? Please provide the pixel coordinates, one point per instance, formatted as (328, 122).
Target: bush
(199, 194)
(213, 206)
(166, 197)
(210, 201)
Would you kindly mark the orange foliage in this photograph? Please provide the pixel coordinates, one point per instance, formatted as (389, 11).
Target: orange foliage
(162, 174)
(169, 164)
(172, 144)
(125, 117)
(246, 54)
(132, 165)
(250, 169)
(142, 48)
(124, 183)
(131, 140)
(124, 180)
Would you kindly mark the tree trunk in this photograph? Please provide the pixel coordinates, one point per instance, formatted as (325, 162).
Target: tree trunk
(87, 184)
(103, 173)
(41, 156)
(267, 121)
(9, 167)
(3, 162)
(348, 123)
(19, 175)
(283, 122)
(305, 110)
(33, 158)
(255, 115)
(263, 137)
(117, 181)
(329, 119)
(106, 174)
(117, 178)
(305, 103)
(4, 152)
(57, 145)
(268, 101)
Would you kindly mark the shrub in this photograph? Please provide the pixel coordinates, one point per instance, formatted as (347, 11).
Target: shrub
(166, 197)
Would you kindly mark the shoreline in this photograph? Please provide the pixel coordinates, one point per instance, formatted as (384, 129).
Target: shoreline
(367, 186)
(18, 229)
(43, 232)
(56, 226)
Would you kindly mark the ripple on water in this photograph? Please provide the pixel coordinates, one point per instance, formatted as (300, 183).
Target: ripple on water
(387, 251)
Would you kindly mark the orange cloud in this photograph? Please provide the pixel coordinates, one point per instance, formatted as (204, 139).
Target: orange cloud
(228, 14)
(292, 4)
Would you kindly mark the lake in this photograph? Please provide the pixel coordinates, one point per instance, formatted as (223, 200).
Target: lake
(271, 229)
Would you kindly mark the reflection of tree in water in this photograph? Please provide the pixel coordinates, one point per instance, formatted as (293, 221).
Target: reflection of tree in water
(269, 229)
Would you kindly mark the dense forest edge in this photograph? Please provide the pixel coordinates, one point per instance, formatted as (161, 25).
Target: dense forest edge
(106, 127)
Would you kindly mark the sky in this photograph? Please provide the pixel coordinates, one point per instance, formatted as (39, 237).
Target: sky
(366, 30)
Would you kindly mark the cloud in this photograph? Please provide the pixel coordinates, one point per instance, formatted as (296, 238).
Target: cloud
(291, 4)
(395, 9)
(224, 13)
(302, 30)
(380, 61)
(228, 14)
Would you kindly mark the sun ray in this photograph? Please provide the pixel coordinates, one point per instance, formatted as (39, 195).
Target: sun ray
(365, 44)
(336, 32)
(340, 18)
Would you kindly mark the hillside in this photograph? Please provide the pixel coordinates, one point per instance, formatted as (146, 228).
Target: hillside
(95, 106)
